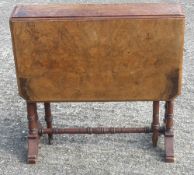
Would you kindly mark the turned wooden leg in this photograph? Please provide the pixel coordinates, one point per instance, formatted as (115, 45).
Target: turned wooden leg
(48, 119)
(33, 137)
(169, 135)
(155, 123)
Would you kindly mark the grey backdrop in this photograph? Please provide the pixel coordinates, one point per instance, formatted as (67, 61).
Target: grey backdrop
(92, 154)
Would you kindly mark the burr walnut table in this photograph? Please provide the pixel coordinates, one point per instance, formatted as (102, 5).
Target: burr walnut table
(109, 52)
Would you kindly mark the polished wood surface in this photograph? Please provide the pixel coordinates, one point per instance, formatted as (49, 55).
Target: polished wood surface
(99, 10)
(85, 58)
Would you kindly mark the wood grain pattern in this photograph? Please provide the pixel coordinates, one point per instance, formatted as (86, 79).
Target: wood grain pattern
(98, 59)
(92, 10)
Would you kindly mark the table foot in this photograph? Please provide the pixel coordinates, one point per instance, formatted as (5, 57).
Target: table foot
(169, 147)
(32, 149)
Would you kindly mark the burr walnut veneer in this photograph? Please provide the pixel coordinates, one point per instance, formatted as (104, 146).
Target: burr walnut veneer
(104, 52)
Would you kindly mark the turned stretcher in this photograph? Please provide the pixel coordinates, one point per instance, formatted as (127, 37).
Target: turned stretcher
(109, 52)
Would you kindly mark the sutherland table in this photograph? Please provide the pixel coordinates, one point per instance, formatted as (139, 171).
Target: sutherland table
(105, 52)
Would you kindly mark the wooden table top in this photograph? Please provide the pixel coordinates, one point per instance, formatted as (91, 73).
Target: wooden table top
(97, 10)
(111, 52)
